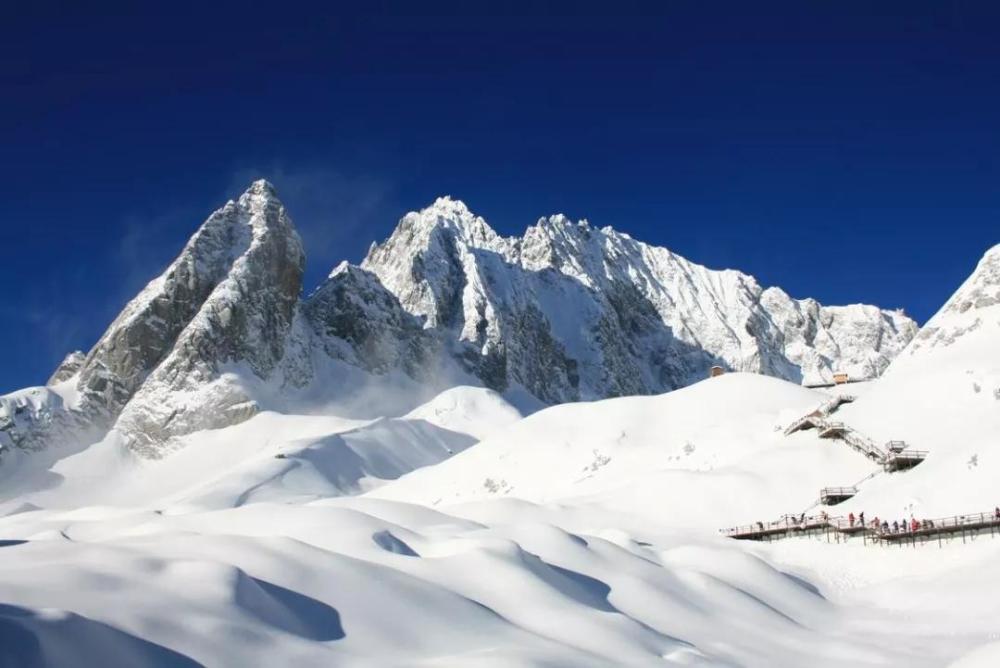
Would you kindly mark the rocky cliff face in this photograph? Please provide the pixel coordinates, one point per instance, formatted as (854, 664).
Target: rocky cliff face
(68, 368)
(356, 319)
(248, 279)
(565, 312)
(571, 312)
(178, 357)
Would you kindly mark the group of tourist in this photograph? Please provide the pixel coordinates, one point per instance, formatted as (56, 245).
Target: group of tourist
(883, 526)
(880, 526)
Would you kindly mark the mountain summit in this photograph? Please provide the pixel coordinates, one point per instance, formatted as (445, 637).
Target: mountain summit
(570, 312)
(173, 361)
(565, 312)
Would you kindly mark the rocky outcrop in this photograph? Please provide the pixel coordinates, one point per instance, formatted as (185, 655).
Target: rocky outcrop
(69, 367)
(30, 419)
(355, 319)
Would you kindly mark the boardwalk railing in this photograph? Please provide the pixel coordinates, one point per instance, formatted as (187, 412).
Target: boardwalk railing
(790, 526)
(839, 491)
(830, 496)
(903, 459)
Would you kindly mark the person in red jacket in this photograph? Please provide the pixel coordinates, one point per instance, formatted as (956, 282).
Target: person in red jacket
(850, 518)
(914, 524)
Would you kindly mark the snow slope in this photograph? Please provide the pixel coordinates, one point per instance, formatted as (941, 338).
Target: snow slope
(719, 441)
(272, 456)
(595, 547)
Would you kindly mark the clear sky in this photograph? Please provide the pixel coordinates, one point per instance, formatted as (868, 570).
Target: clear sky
(846, 151)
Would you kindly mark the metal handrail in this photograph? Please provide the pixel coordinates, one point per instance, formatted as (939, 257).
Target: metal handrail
(909, 454)
(928, 526)
(838, 491)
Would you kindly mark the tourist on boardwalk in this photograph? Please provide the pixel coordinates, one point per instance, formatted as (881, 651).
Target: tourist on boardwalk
(914, 525)
(885, 526)
(902, 525)
(895, 526)
(861, 518)
(996, 514)
(850, 518)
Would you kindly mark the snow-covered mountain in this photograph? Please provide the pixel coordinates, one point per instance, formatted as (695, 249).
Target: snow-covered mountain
(444, 528)
(572, 312)
(172, 361)
(566, 312)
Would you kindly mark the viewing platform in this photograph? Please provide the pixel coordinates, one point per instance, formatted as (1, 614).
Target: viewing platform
(903, 460)
(840, 529)
(831, 496)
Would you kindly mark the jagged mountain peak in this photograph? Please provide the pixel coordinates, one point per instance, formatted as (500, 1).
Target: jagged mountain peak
(238, 329)
(617, 315)
(451, 215)
(262, 187)
(227, 299)
(449, 206)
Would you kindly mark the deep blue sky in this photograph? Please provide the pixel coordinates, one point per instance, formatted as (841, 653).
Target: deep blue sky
(846, 151)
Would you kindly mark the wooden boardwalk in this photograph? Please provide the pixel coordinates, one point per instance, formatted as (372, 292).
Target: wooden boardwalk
(895, 456)
(966, 527)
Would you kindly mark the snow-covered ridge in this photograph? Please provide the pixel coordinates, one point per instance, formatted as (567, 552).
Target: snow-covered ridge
(571, 311)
